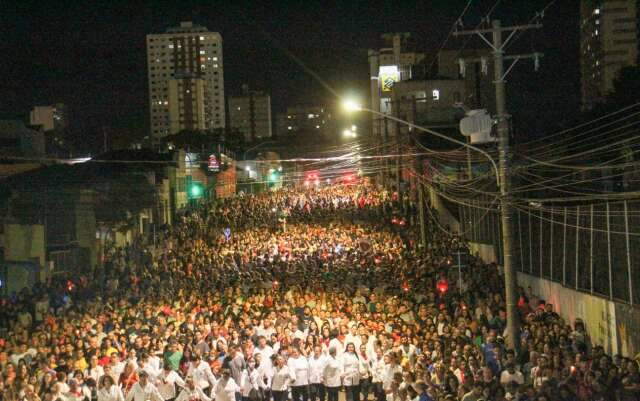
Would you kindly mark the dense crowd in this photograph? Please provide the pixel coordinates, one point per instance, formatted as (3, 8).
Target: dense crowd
(309, 296)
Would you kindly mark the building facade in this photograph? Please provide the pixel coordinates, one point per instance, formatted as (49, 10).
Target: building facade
(608, 42)
(250, 113)
(53, 117)
(392, 63)
(16, 139)
(186, 80)
(427, 102)
(306, 120)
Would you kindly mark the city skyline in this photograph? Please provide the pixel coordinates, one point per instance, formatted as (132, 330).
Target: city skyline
(103, 53)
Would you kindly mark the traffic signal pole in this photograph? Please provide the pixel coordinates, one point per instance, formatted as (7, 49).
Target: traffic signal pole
(510, 275)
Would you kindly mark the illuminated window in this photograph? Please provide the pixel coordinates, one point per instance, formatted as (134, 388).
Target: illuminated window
(311, 116)
(289, 128)
(170, 46)
(201, 51)
(201, 37)
(596, 11)
(436, 94)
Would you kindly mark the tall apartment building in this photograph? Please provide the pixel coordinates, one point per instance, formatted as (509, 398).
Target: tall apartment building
(53, 117)
(390, 64)
(186, 81)
(608, 42)
(250, 113)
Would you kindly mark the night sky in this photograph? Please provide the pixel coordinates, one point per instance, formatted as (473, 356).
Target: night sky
(92, 57)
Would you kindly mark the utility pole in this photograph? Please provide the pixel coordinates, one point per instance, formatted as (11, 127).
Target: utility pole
(418, 184)
(510, 275)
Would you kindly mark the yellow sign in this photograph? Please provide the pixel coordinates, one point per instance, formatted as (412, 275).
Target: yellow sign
(388, 76)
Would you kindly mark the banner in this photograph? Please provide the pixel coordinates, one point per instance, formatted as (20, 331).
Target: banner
(388, 76)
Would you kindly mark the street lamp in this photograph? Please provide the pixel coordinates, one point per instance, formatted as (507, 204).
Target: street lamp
(351, 105)
(347, 133)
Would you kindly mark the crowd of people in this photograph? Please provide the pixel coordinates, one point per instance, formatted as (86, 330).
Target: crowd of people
(308, 295)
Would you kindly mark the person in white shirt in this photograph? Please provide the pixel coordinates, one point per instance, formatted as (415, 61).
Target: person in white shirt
(300, 365)
(267, 352)
(151, 371)
(317, 361)
(365, 372)
(201, 373)
(377, 374)
(250, 381)
(77, 392)
(192, 392)
(336, 343)
(144, 390)
(353, 336)
(108, 391)
(166, 382)
(282, 379)
(511, 375)
(94, 371)
(117, 366)
(226, 388)
(351, 373)
(332, 375)
(264, 375)
(390, 369)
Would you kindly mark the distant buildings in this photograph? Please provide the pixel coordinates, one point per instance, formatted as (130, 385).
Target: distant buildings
(306, 120)
(608, 42)
(50, 118)
(16, 139)
(186, 83)
(250, 113)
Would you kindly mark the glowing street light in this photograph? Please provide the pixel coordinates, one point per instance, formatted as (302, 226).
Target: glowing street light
(351, 105)
(347, 133)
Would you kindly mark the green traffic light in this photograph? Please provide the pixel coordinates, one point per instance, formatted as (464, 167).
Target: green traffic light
(195, 191)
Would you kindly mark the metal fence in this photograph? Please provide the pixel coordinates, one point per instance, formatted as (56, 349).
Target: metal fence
(592, 248)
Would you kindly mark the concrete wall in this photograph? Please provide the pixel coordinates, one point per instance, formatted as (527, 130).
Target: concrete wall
(445, 217)
(613, 325)
(24, 243)
(485, 252)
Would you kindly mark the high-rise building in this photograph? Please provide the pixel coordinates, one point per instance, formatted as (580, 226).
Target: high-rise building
(608, 42)
(53, 117)
(394, 62)
(250, 113)
(186, 81)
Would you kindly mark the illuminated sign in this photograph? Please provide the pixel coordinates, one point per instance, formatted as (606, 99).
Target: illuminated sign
(389, 75)
(213, 164)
